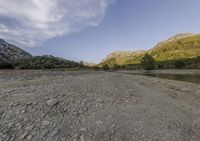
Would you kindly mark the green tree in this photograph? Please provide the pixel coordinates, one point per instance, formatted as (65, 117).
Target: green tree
(148, 62)
(106, 67)
(116, 66)
(81, 64)
(179, 64)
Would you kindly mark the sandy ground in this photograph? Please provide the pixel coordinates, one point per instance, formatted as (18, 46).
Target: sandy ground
(96, 106)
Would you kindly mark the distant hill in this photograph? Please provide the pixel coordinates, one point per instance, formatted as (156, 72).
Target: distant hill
(47, 62)
(11, 54)
(180, 46)
(123, 57)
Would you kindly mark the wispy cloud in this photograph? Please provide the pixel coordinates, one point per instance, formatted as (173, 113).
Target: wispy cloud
(31, 22)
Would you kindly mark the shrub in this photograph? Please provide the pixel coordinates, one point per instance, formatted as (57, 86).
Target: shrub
(116, 67)
(106, 67)
(148, 62)
(179, 64)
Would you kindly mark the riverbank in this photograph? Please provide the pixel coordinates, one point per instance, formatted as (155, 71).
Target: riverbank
(167, 71)
(96, 106)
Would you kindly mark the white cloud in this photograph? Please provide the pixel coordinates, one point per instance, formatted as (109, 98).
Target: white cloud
(31, 22)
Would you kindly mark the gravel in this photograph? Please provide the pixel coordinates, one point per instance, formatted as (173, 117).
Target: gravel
(96, 106)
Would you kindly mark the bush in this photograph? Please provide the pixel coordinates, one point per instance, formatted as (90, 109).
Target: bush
(106, 67)
(148, 62)
(6, 65)
(46, 62)
(179, 64)
(116, 67)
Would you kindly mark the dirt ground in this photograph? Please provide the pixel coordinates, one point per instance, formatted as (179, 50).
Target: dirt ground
(96, 106)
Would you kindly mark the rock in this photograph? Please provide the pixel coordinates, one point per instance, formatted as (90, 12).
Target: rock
(29, 103)
(75, 136)
(45, 123)
(13, 104)
(83, 130)
(52, 102)
(29, 128)
(99, 122)
(29, 137)
(112, 128)
(82, 138)
(24, 135)
(23, 111)
(54, 132)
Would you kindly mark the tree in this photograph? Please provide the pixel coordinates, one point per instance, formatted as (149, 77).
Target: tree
(179, 64)
(106, 67)
(148, 62)
(81, 64)
(116, 66)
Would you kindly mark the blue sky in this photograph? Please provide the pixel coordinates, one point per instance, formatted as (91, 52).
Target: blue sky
(89, 30)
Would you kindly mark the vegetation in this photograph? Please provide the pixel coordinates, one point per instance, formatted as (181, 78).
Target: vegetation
(116, 67)
(5, 65)
(46, 62)
(167, 54)
(148, 62)
(179, 64)
(106, 67)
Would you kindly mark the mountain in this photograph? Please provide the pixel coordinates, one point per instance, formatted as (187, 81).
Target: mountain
(11, 54)
(122, 57)
(180, 46)
(46, 62)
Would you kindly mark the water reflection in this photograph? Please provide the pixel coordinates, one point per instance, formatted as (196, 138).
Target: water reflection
(179, 77)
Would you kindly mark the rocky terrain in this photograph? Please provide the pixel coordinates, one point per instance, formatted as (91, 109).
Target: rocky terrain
(96, 106)
(12, 56)
(11, 53)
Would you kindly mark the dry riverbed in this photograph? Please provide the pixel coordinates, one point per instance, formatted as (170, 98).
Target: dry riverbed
(96, 106)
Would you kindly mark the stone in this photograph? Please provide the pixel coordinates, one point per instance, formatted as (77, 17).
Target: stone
(99, 122)
(23, 111)
(82, 138)
(52, 102)
(45, 123)
(24, 135)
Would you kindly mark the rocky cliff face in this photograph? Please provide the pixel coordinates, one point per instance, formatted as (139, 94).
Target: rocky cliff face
(10, 53)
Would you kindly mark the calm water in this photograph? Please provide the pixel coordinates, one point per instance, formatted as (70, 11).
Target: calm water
(179, 77)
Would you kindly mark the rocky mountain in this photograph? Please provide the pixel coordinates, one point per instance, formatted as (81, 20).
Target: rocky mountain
(180, 46)
(12, 56)
(11, 53)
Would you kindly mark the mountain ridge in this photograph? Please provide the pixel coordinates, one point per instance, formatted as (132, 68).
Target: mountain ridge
(12, 53)
(12, 56)
(179, 46)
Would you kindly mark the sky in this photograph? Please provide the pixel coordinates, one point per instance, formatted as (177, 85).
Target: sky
(89, 30)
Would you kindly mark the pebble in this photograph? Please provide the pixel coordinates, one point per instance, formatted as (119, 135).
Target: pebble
(29, 137)
(82, 138)
(24, 135)
(99, 122)
(45, 123)
(52, 102)
(83, 129)
(23, 111)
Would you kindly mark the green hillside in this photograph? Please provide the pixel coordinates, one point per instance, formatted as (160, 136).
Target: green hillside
(179, 47)
(187, 47)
